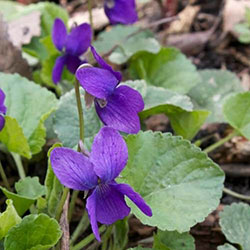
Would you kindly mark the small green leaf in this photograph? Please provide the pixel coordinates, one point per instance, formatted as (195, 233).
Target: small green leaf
(188, 123)
(8, 219)
(30, 105)
(132, 46)
(214, 87)
(235, 224)
(30, 187)
(13, 138)
(21, 203)
(33, 233)
(121, 230)
(108, 39)
(173, 240)
(236, 110)
(178, 181)
(243, 29)
(169, 69)
(66, 121)
(226, 247)
(54, 188)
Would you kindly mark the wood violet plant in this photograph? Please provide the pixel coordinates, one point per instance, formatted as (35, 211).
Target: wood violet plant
(109, 163)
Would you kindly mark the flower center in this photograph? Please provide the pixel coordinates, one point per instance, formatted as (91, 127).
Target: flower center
(102, 102)
(110, 4)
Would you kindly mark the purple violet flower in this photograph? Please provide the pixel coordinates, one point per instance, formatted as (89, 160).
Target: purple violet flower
(96, 173)
(121, 11)
(72, 46)
(117, 106)
(3, 109)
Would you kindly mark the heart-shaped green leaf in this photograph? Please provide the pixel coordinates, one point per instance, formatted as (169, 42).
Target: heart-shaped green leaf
(33, 233)
(13, 138)
(177, 107)
(8, 219)
(173, 241)
(178, 181)
(214, 87)
(66, 121)
(236, 110)
(235, 224)
(30, 105)
(30, 187)
(21, 203)
(169, 69)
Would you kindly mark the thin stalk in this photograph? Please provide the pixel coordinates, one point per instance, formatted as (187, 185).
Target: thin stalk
(106, 236)
(87, 240)
(81, 227)
(80, 110)
(90, 15)
(19, 165)
(61, 203)
(236, 195)
(4, 177)
(72, 203)
(220, 142)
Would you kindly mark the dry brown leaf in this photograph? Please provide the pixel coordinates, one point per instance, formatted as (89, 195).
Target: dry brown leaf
(190, 43)
(185, 21)
(234, 13)
(23, 29)
(100, 20)
(11, 60)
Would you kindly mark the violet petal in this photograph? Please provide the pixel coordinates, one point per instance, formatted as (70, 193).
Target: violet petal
(91, 208)
(79, 40)
(110, 204)
(104, 65)
(109, 154)
(72, 63)
(121, 111)
(73, 169)
(2, 122)
(121, 11)
(97, 82)
(58, 69)
(59, 34)
(3, 108)
(135, 197)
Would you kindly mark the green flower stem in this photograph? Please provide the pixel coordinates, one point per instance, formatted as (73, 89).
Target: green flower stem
(19, 165)
(80, 110)
(90, 15)
(81, 227)
(4, 178)
(72, 203)
(106, 237)
(236, 195)
(61, 203)
(87, 240)
(220, 142)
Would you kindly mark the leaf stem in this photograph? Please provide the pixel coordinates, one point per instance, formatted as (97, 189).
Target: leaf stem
(4, 177)
(87, 240)
(81, 227)
(72, 203)
(19, 165)
(236, 195)
(220, 142)
(80, 110)
(61, 203)
(90, 15)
